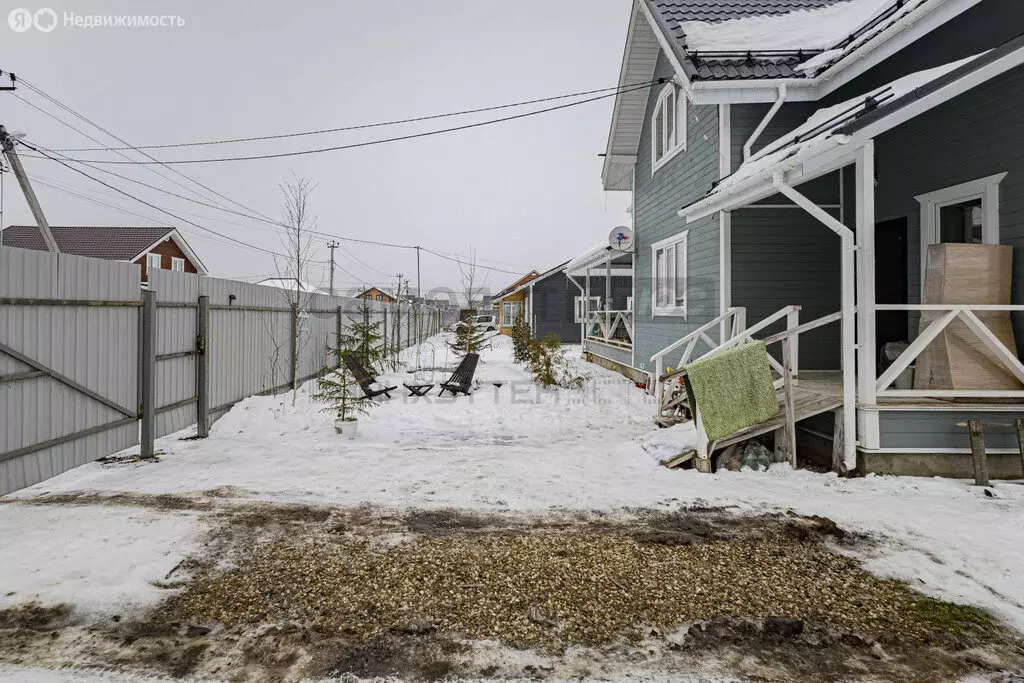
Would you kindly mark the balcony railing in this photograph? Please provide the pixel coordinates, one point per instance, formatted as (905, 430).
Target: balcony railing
(614, 328)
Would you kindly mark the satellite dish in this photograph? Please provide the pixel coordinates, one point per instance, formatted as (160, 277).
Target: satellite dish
(621, 239)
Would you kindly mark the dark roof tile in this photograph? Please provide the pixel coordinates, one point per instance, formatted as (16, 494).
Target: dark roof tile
(113, 243)
(675, 12)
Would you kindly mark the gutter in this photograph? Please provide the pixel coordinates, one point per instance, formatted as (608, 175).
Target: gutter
(748, 145)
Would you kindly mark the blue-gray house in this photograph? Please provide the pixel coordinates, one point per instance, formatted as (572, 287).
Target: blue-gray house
(790, 164)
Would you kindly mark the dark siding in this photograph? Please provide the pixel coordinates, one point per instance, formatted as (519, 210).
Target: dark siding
(657, 200)
(553, 308)
(554, 303)
(987, 25)
(783, 257)
(975, 135)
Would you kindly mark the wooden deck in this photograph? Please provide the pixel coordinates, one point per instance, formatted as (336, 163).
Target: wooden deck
(807, 402)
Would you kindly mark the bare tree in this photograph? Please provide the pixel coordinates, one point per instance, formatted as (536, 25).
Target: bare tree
(293, 266)
(473, 285)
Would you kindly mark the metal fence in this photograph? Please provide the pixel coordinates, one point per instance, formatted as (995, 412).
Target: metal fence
(91, 364)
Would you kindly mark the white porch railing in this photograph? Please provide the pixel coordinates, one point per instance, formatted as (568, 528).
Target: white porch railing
(734, 322)
(950, 312)
(614, 328)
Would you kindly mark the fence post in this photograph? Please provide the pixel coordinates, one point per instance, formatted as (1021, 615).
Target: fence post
(387, 342)
(203, 369)
(147, 373)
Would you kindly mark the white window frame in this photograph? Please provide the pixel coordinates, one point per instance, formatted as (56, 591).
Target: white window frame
(674, 141)
(177, 264)
(581, 315)
(510, 319)
(154, 261)
(986, 189)
(676, 242)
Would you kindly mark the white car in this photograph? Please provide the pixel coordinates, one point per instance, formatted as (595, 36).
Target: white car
(488, 322)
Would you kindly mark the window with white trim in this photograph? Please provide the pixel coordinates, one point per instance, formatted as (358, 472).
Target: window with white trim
(581, 308)
(178, 264)
(153, 261)
(967, 213)
(668, 126)
(669, 276)
(510, 310)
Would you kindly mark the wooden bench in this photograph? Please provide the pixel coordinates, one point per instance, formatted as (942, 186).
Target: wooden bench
(462, 379)
(365, 379)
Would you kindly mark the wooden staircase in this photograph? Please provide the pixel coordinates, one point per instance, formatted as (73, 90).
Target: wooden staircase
(676, 403)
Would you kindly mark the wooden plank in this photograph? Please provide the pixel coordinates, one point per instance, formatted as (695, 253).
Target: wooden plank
(1007, 357)
(1020, 443)
(838, 436)
(978, 452)
(788, 407)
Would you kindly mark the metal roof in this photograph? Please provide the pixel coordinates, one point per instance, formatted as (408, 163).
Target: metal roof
(112, 243)
(673, 13)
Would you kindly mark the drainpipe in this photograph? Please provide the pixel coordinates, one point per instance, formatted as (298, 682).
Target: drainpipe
(749, 144)
(849, 308)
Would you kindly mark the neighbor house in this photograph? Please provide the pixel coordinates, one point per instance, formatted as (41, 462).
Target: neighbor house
(150, 248)
(602, 306)
(374, 294)
(511, 302)
(790, 163)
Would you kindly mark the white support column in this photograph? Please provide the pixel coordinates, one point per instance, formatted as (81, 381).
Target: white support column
(849, 311)
(867, 370)
(724, 220)
(866, 270)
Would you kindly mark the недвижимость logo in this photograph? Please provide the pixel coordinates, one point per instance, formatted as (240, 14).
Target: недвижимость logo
(21, 19)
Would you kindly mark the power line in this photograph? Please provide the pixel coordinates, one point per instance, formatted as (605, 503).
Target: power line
(92, 123)
(90, 137)
(154, 206)
(369, 143)
(364, 126)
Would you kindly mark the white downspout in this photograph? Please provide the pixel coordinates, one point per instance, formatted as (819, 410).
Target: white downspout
(749, 144)
(849, 311)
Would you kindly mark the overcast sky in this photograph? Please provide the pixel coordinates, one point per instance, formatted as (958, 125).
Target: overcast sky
(526, 192)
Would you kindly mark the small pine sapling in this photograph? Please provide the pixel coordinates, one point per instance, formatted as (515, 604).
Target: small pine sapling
(521, 338)
(469, 338)
(549, 365)
(364, 339)
(338, 389)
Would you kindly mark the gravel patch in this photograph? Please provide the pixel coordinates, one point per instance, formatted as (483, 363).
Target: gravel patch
(549, 591)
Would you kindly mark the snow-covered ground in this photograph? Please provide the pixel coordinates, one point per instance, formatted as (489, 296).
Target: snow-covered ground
(513, 448)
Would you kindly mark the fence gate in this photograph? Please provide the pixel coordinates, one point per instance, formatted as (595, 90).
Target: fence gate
(69, 330)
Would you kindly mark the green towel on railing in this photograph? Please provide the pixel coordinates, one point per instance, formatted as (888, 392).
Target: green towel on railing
(733, 389)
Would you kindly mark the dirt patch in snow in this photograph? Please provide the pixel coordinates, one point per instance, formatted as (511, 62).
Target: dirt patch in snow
(164, 501)
(286, 592)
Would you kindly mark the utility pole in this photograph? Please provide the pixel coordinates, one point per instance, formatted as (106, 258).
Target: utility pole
(419, 291)
(7, 143)
(332, 246)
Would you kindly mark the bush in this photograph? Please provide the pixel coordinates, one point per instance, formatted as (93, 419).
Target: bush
(549, 365)
(522, 338)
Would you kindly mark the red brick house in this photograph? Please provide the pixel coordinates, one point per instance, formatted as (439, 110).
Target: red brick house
(163, 248)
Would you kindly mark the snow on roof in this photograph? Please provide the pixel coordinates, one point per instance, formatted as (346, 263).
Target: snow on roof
(287, 283)
(820, 128)
(812, 29)
(879, 23)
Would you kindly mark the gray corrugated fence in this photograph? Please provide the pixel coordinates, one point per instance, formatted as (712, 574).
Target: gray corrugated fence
(71, 359)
